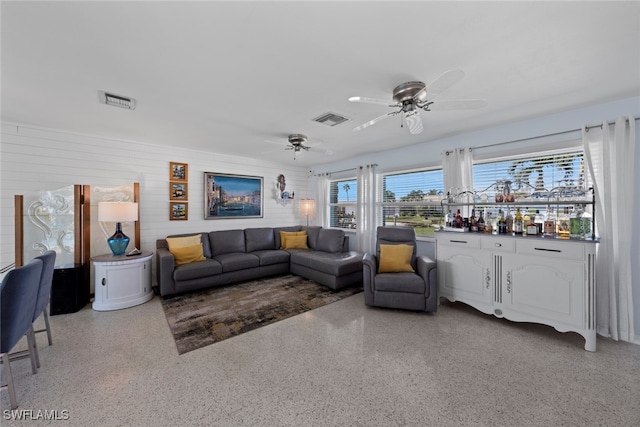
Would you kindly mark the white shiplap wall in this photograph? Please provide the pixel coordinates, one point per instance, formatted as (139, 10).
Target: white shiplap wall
(36, 159)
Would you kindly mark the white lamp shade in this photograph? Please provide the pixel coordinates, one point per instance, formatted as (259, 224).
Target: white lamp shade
(117, 211)
(307, 206)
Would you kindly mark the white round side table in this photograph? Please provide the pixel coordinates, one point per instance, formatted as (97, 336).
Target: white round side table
(122, 281)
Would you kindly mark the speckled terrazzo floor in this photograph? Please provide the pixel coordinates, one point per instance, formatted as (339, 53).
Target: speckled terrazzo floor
(340, 365)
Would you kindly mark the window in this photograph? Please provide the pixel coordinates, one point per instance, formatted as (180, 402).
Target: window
(536, 177)
(342, 203)
(556, 176)
(413, 199)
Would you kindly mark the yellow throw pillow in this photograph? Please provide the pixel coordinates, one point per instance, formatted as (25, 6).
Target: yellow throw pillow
(395, 258)
(284, 235)
(296, 242)
(181, 242)
(188, 254)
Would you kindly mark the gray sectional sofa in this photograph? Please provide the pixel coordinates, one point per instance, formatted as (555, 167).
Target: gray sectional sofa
(238, 255)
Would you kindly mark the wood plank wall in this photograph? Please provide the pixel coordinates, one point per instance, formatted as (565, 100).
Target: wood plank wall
(34, 159)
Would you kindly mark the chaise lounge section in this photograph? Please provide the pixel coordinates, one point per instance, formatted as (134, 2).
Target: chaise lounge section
(231, 256)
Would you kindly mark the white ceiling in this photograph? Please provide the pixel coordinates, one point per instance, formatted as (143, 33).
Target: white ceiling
(227, 76)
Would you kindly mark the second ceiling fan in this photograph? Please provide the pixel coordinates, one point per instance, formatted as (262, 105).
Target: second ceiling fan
(411, 97)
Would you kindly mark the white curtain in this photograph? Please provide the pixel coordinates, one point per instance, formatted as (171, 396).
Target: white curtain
(366, 208)
(610, 159)
(321, 195)
(457, 170)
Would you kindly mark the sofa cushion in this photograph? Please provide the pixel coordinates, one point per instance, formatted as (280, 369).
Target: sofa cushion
(181, 242)
(271, 257)
(226, 241)
(204, 238)
(196, 270)
(187, 254)
(237, 261)
(395, 258)
(312, 232)
(295, 242)
(257, 239)
(336, 264)
(277, 230)
(400, 282)
(330, 240)
(284, 235)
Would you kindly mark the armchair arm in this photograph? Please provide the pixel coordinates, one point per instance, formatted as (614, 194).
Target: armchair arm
(369, 271)
(164, 271)
(427, 269)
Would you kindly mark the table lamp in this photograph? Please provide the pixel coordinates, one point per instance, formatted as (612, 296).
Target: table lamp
(307, 207)
(118, 212)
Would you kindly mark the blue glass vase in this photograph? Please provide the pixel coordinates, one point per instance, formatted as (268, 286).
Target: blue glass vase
(119, 241)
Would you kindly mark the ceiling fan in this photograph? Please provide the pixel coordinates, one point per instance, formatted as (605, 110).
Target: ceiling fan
(411, 97)
(299, 143)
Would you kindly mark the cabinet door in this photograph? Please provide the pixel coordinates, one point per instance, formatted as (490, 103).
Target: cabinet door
(121, 283)
(464, 272)
(549, 290)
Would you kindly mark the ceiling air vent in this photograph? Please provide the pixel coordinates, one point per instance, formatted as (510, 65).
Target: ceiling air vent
(330, 119)
(118, 100)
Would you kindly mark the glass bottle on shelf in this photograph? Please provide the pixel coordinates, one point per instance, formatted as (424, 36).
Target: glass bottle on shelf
(585, 228)
(509, 222)
(549, 222)
(539, 221)
(458, 220)
(575, 222)
(531, 227)
(518, 223)
(564, 230)
(473, 221)
(489, 225)
(481, 223)
(502, 223)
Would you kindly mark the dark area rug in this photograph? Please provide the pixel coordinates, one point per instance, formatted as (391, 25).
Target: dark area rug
(201, 318)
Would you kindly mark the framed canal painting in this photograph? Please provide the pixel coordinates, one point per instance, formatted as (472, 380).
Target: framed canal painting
(232, 196)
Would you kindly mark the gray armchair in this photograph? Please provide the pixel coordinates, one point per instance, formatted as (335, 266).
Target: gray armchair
(404, 290)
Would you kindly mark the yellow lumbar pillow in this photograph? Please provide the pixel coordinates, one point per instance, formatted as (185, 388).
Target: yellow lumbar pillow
(284, 235)
(395, 258)
(186, 249)
(181, 242)
(296, 242)
(188, 254)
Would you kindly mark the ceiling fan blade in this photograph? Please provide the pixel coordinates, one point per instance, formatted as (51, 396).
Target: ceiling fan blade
(414, 123)
(373, 101)
(458, 104)
(376, 120)
(445, 81)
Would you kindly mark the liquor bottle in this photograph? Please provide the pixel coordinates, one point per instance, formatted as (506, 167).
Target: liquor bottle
(526, 219)
(489, 223)
(502, 223)
(564, 228)
(585, 228)
(575, 222)
(518, 224)
(473, 221)
(509, 222)
(481, 223)
(549, 222)
(532, 227)
(539, 221)
(458, 220)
